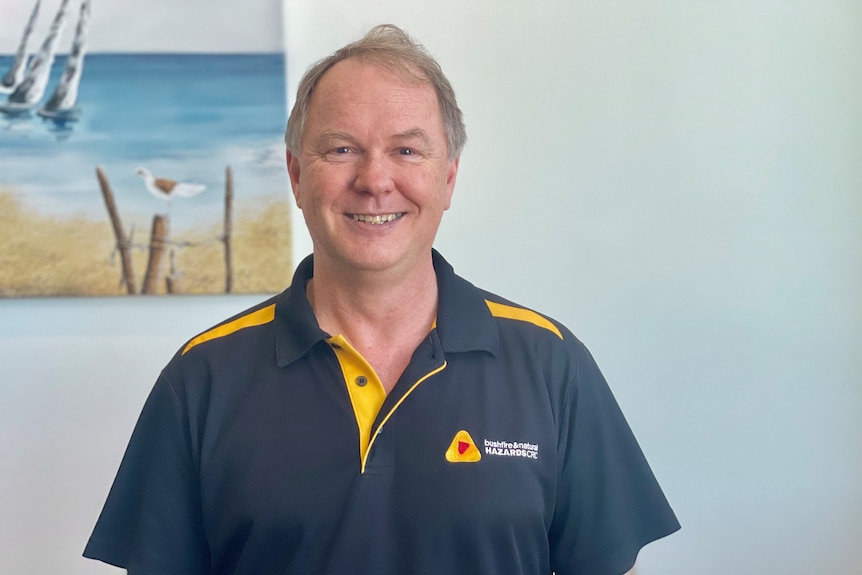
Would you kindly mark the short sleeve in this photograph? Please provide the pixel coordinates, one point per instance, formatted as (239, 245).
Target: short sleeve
(151, 522)
(609, 504)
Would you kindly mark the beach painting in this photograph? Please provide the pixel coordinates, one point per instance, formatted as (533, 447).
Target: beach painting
(141, 148)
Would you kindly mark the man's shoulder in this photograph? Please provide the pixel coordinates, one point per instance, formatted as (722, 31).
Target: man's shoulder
(468, 304)
(530, 338)
(504, 309)
(257, 315)
(515, 316)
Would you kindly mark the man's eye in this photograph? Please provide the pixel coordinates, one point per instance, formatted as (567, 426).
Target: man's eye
(406, 152)
(342, 150)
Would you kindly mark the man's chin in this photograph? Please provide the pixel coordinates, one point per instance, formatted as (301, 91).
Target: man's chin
(379, 260)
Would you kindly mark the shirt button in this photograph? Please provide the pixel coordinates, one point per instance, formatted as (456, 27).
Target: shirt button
(361, 380)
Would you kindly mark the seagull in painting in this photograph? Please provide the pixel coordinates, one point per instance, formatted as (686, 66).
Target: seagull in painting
(166, 189)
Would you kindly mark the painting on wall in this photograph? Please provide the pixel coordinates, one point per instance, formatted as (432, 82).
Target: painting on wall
(141, 148)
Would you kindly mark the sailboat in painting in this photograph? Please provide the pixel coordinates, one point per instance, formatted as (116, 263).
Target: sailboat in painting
(61, 106)
(29, 92)
(18, 70)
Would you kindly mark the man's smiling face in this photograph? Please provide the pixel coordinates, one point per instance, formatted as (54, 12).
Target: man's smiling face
(372, 178)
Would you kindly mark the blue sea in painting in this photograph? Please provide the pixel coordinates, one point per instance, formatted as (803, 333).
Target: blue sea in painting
(184, 117)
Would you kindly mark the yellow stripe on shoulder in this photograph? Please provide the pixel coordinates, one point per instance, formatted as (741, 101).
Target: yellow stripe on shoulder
(259, 317)
(521, 314)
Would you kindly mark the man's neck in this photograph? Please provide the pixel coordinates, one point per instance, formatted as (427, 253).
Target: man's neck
(383, 316)
(372, 296)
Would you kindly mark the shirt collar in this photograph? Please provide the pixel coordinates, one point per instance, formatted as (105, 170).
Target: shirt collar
(463, 319)
(464, 322)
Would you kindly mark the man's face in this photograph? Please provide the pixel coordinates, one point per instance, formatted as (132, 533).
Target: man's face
(372, 177)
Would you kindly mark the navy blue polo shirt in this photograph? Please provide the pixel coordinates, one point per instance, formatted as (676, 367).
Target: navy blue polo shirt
(268, 446)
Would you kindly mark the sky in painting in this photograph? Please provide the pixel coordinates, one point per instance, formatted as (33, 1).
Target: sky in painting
(174, 26)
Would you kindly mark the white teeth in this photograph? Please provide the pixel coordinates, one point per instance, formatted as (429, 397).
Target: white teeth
(375, 220)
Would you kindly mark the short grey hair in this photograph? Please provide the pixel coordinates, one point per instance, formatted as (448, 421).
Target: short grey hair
(390, 47)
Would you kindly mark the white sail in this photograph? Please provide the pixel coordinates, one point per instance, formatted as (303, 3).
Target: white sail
(15, 75)
(62, 101)
(31, 90)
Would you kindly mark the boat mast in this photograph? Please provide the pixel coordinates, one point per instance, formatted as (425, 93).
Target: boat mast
(31, 90)
(66, 94)
(15, 75)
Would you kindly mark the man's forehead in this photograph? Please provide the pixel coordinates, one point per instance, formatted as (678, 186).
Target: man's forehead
(353, 77)
(359, 97)
(359, 87)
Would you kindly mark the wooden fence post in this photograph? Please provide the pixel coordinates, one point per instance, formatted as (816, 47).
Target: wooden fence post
(158, 241)
(228, 229)
(119, 234)
(174, 280)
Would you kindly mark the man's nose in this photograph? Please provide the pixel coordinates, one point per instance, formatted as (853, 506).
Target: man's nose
(374, 174)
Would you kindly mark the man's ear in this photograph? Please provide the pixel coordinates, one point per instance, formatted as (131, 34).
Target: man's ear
(293, 170)
(451, 175)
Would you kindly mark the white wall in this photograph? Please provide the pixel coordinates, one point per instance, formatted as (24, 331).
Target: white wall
(677, 181)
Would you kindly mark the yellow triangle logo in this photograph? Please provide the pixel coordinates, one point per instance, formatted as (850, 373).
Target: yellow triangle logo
(463, 449)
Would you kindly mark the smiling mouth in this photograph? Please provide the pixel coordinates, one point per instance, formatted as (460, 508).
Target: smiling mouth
(377, 219)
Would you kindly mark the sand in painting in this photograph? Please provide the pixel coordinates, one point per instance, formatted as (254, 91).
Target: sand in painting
(75, 255)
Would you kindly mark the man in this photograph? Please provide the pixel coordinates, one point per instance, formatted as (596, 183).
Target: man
(382, 415)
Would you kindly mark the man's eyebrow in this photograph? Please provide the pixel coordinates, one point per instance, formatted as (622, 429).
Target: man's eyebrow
(328, 136)
(415, 134)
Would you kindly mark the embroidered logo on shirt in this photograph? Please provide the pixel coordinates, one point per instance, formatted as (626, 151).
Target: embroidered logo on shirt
(512, 449)
(463, 449)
